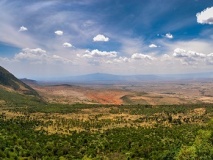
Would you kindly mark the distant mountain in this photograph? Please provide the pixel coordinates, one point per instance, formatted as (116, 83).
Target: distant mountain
(103, 78)
(8, 80)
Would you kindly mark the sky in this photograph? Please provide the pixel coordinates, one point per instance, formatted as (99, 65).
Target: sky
(41, 39)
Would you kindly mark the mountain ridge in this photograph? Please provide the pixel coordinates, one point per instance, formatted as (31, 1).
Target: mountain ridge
(8, 80)
(105, 78)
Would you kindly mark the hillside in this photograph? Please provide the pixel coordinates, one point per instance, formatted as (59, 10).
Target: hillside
(9, 81)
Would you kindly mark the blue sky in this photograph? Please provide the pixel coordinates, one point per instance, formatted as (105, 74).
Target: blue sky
(41, 39)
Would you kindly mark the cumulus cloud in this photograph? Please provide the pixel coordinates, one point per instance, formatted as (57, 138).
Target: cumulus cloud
(100, 38)
(169, 35)
(210, 55)
(97, 53)
(31, 54)
(206, 16)
(178, 52)
(22, 29)
(209, 59)
(192, 57)
(59, 33)
(121, 59)
(135, 56)
(152, 46)
(39, 55)
(198, 45)
(68, 45)
(138, 56)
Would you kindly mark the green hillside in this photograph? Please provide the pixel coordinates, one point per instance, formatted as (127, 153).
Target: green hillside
(8, 80)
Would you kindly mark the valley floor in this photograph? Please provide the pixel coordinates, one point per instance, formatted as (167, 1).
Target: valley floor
(161, 93)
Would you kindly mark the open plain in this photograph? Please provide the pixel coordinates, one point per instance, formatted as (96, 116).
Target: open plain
(152, 93)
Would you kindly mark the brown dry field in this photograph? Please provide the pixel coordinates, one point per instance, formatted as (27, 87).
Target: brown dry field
(145, 93)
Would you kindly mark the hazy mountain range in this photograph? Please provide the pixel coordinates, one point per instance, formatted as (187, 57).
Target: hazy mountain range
(103, 78)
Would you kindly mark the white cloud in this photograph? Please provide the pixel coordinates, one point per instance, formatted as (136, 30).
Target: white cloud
(169, 35)
(100, 38)
(31, 54)
(192, 57)
(178, 52)
(166, 57)
(152, 46)
(121, 59)
(61, 59)
(97, 53)
(34, 51)
(39, 55)
(141, 56)
(209, 59)
(206, 16)
(210, 55)
(198, 45)
(22, 29)
(68, 45)
(59, 33)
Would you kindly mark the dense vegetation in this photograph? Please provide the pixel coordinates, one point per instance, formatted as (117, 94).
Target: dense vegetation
(33, 129)
(18, 139)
